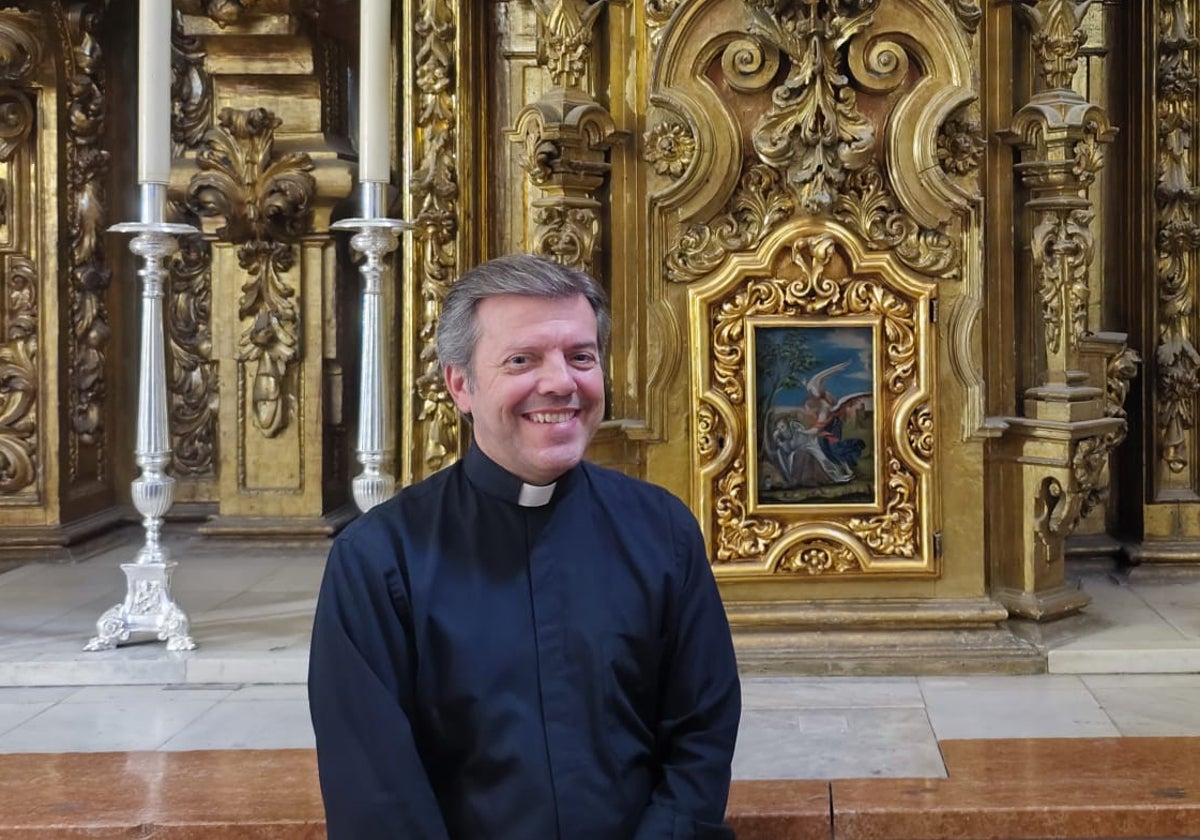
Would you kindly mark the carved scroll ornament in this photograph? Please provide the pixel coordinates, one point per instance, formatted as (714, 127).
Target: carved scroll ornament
(265, 200)
(18, 377)
(813, 130)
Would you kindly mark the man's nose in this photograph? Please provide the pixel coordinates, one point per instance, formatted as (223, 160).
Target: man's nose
(556, 375)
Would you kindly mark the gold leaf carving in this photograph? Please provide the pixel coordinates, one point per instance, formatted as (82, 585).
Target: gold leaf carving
(869, 208)
(434, 186)
(749, 65)
(670, 148)
(819, 287)
(192, 375)
(761, 203)
(87, 170)
(18, 377)
(567, 42)
(265, 200)
(20, 45)
(566, 234)
(968, 13)
(740, 535)
(191, 93)
(1062, 251)
(225, 12)
(894, 532)
(960, 146)
(920, 431)
(16, 121)
(1178, 235)
(819, 557)
(813, 130)
(1057, 37)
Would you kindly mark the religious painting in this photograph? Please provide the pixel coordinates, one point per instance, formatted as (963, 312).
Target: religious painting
(812, 432)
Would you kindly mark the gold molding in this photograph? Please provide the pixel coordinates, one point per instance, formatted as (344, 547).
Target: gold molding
(19, 463)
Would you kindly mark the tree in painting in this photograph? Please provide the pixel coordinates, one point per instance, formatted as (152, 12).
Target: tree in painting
(782, 356)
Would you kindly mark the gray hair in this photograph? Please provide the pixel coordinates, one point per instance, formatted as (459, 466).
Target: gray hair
(516, 274)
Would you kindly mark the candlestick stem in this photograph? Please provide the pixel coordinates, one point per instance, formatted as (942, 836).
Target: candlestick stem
(376, 237)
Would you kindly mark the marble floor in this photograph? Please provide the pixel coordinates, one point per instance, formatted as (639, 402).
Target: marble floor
(1128, 667)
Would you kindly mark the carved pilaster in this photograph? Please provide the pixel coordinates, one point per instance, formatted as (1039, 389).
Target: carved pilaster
(1055, 457)
(432, 425)
(564, 137)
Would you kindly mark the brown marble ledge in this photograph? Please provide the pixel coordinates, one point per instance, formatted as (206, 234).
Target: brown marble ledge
(1033, 789)
(209, 794)
(783, 810)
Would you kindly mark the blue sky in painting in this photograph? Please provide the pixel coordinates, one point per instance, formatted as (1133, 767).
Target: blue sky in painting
(833, 345)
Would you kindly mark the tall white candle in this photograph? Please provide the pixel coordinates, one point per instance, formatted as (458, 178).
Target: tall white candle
(154, 92)
(374, 92)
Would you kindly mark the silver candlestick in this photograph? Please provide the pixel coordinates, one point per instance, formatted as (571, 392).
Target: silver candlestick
(376, 237)
(148, 607)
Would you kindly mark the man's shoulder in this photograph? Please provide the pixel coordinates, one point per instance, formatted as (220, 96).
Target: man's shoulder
(610, 483)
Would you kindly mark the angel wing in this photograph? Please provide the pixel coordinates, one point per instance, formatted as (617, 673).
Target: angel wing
(851, 404)
(816, 382)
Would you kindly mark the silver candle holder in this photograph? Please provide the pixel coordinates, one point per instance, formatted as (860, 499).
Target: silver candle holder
(376, 237)
(148, 607)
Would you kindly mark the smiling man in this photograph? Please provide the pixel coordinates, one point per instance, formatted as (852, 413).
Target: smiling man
(524, 645)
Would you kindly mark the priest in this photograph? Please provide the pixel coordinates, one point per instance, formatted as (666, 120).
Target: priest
(524, 646)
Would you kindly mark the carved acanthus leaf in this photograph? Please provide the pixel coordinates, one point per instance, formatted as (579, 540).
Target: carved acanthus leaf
(868, 208)
(893, 532)
(265, 201)
(813, 130)
(762, 202)
(566, 234)
(1062, 251)
(920, 432)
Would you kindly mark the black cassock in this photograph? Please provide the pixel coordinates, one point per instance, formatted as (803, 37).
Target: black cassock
(481, 669)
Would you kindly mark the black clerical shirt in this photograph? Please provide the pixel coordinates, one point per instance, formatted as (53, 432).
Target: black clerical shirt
(483, 669)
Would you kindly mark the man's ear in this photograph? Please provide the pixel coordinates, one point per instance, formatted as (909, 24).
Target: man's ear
(458, 383)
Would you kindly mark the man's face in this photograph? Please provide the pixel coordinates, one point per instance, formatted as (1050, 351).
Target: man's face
(537, 394)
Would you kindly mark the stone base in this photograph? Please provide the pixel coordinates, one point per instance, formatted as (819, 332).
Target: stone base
(886, 652)
(1045, 604)
(279, 528)
(1164, 553)
(61, 543)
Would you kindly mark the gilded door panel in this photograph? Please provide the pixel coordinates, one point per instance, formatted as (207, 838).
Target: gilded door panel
(813, 197)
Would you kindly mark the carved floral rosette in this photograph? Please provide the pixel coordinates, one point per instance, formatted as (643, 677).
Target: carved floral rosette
(811, 276)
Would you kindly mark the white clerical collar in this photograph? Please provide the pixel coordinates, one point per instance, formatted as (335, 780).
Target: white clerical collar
(535, 495)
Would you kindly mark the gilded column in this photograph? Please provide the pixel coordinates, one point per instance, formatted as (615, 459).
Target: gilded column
(1054, 456)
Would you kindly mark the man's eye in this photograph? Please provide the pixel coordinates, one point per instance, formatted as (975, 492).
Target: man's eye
(584, 359)
(518, 360)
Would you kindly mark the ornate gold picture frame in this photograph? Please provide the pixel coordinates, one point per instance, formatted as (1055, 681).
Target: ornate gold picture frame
(814, 410)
